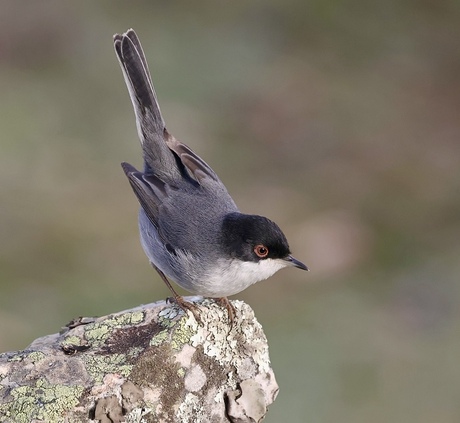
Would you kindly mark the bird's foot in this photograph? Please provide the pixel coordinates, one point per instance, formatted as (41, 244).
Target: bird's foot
(224, 302)
(186, 306)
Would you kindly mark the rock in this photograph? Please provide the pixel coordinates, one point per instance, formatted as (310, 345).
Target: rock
(153, 363)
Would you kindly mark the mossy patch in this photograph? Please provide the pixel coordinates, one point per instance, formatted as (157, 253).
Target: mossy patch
(157, 368)
(98, 366)
(41, 401)
(97, 333)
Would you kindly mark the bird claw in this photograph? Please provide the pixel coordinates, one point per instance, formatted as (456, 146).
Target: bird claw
(224, 302)
(186, 306)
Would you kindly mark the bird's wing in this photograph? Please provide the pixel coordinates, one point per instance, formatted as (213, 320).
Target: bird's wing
(194, 164)
(149, 191)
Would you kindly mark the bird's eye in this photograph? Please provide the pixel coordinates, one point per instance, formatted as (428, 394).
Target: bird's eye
(261, 251)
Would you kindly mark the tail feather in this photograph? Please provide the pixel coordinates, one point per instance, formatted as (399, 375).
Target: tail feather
(135, 40)
(149, 121)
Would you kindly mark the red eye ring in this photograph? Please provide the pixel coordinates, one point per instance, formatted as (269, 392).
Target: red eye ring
(261, 251)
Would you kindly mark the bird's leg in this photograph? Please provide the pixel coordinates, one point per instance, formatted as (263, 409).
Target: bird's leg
(183, 304)
(224, 302)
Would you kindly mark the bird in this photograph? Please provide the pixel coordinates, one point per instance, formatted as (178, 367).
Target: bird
(190, 228)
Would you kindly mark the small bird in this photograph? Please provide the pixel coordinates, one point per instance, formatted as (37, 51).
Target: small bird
(190, 228)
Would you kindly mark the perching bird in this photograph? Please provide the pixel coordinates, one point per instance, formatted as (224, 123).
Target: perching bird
(190, 228)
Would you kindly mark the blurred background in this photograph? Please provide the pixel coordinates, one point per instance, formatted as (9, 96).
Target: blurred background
(338, 120)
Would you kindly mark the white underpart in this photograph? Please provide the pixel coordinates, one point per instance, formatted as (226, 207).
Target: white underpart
(229, 277)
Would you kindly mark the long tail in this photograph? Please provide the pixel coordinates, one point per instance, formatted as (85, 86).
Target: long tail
(149, 121)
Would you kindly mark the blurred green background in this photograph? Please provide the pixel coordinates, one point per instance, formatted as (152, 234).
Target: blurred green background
(339, 120)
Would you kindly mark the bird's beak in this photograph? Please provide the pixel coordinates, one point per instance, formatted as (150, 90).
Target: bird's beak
(296, 263)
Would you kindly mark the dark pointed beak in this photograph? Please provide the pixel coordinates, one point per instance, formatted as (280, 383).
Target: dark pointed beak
(296, 263)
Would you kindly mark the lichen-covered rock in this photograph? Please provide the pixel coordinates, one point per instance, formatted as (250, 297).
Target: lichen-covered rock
(149, 364)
